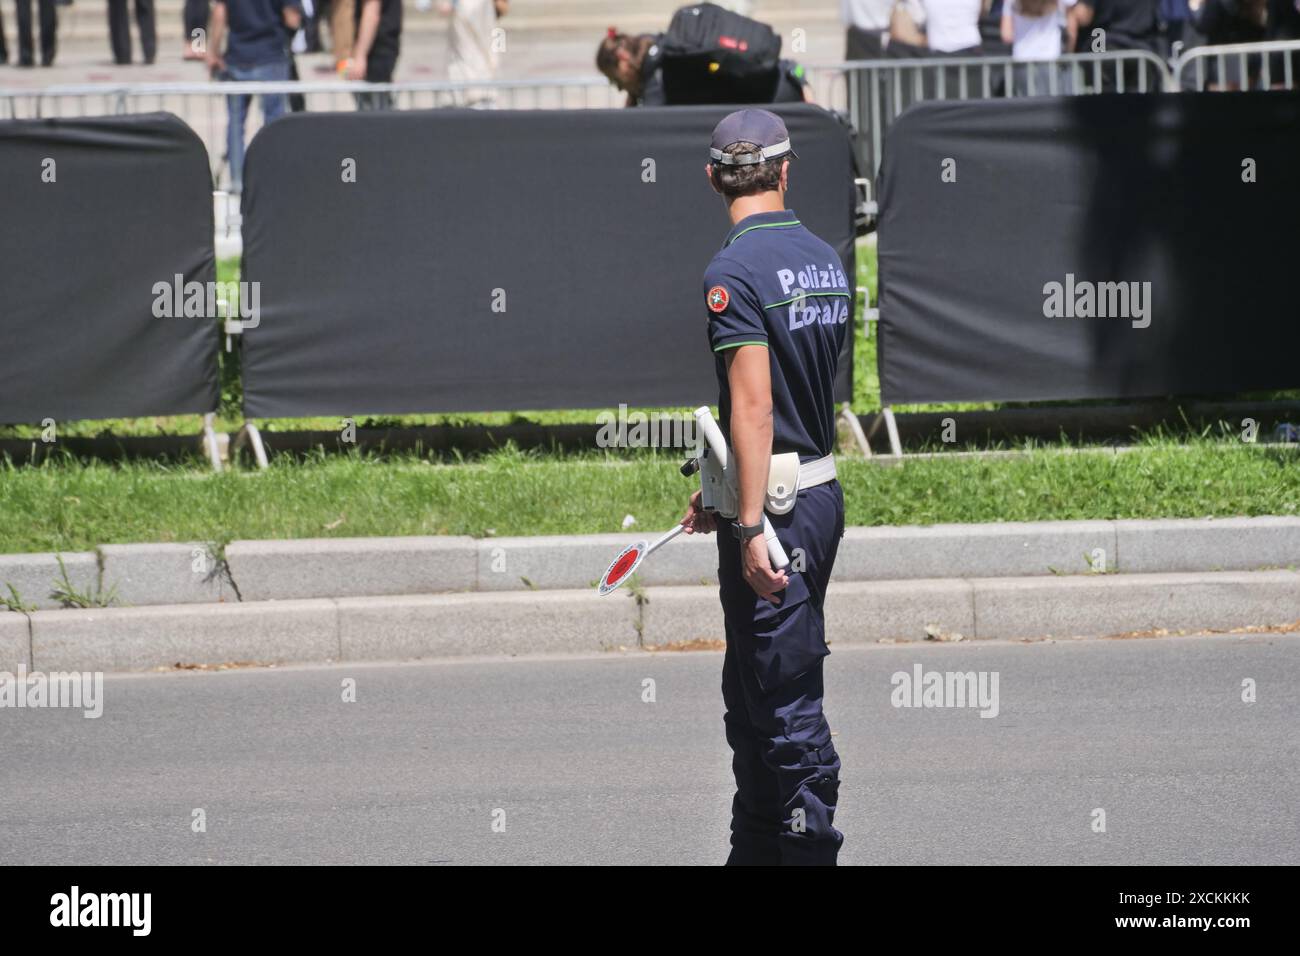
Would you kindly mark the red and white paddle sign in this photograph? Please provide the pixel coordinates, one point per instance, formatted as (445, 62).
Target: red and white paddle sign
(630, 558)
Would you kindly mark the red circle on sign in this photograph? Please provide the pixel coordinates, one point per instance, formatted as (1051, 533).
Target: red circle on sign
(622, 566)
(717, 299)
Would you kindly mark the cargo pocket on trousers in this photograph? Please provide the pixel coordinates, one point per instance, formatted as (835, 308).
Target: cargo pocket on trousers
(787, 638)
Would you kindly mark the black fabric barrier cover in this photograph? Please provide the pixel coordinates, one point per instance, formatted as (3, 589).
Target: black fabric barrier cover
(377, 295)
(1107, 189)
(130, 206)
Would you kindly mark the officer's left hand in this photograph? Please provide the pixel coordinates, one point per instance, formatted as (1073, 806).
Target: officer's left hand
(696, 519)
(757, 567)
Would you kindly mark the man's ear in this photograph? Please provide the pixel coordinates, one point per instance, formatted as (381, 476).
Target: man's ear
(708, 171)
(785, 175)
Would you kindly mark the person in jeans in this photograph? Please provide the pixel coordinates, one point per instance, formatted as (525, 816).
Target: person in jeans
(257, 48)
(1034, 29)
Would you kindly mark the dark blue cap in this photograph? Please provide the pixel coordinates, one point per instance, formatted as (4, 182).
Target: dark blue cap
(764, 129)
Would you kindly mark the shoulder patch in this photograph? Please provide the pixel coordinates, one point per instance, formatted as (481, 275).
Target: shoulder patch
(717, 299)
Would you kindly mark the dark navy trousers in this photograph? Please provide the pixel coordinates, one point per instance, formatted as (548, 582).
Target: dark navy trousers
(786, 768)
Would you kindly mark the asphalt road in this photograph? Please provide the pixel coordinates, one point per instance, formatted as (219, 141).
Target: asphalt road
(1153, 731)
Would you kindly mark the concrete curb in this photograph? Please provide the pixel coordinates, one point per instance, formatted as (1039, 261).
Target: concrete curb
(1219, 544)
(1118, 604)
(444, 625)
(15, 642)
(146, 574)
(167, 574)
(565, 621)
(982, 550)
(33, 576)
(350, 567)
(140, 638)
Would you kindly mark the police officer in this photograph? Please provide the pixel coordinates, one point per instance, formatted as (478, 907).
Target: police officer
(778, 306)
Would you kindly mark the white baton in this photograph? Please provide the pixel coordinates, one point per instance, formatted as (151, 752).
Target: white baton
(718, 447)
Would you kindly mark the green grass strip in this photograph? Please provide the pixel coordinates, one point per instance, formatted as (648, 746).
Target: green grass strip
(63, 505)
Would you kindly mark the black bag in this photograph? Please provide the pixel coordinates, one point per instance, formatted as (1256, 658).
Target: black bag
(712, 55)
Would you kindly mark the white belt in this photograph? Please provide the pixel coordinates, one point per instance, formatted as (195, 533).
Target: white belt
(812, 473)
(786, 477)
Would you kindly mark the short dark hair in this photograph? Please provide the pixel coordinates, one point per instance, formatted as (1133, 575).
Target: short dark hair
(736, 181)
(612, 43)
(607, 52)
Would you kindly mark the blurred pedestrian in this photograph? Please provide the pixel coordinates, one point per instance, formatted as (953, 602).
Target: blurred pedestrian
(866, 24)
(1107, 26)
(1124, 24)
(257, 49)
(991, 42)
(340, 14)
(1173, 17)
(1231, 21)
(377, 41)
(119, 30)
(635, 65)
(938, 29)
(49, 18)
(473, 49)
(937, 26)
(194, 16)
(1035, 30)
(1283, 24)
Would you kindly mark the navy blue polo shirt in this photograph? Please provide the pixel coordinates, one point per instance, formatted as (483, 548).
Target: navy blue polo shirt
(774, 283)
(257, 35)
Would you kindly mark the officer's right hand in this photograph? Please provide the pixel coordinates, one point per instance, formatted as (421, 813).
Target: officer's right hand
(756, 564)
(697, 519)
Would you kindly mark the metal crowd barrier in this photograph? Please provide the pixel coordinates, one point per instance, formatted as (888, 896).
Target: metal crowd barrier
(1264, 66)
(872, 93)
(203, 105)
(879, 90)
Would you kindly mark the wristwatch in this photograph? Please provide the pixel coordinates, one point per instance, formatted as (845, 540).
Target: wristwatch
(743, 532)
